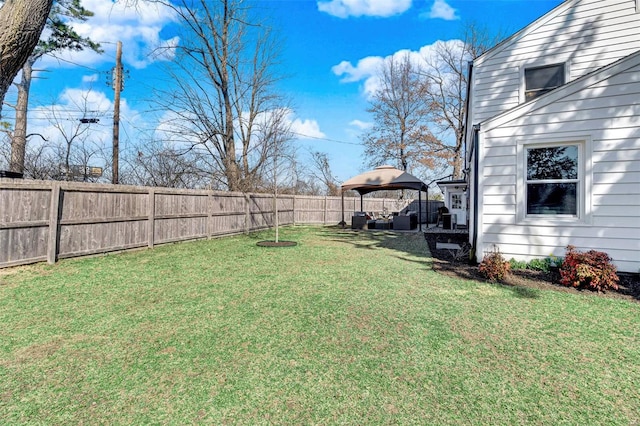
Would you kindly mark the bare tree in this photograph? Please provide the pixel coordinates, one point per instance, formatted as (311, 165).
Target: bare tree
(159, 164)
(446, 77)
(69, 148)
(40, 162)
(401, 114)
(225, 103)
(62, 37)
(321, 172)
(21, 23)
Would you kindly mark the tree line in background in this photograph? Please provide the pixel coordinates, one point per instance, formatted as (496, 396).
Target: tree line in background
(226, 126)
(418, 110)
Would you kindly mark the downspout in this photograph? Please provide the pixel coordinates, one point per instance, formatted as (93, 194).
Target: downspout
(466, 112)
(475, 153)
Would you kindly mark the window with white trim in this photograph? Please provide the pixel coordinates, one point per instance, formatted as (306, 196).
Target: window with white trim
(540, 80)
(456, 201)
(552, 181)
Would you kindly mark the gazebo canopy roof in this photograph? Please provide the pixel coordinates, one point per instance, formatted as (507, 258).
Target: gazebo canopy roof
(383, 178)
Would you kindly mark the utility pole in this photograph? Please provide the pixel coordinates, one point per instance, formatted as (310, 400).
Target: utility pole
(117, 87)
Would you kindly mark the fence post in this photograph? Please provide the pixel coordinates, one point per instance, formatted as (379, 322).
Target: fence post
(324, 214)
(247, 213)
(54, 220)
(210, 216)
(151, 221)
(294, 210)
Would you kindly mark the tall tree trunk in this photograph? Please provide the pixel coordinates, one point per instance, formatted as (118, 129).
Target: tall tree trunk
(21, 23)
(19, 140)
(458, 152)
(232, 169)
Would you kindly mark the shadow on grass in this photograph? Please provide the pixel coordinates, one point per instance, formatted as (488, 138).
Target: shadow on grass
(525, 293)
(410, 243)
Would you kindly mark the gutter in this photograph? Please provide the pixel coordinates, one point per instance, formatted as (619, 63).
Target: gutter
(466, 112)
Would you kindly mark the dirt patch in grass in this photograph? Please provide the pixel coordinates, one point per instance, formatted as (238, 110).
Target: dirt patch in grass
(455, 264)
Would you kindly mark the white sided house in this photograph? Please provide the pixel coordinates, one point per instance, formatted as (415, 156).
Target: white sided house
(553, 136)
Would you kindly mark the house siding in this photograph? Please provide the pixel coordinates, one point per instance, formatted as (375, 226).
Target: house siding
(585, 35)
(605, 115)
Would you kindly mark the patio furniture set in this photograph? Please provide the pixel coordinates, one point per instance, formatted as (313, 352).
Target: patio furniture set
(402, 221)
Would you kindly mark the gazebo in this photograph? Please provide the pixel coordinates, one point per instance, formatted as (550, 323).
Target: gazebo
(384, 178)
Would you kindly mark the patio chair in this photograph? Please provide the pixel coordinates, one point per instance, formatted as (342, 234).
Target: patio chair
(441, 211)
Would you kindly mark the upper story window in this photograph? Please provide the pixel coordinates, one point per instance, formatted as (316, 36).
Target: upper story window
(552, 180)
(540, 80)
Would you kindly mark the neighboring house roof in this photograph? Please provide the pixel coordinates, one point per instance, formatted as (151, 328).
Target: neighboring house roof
(382, 178)
(526, 30)
(561, 92)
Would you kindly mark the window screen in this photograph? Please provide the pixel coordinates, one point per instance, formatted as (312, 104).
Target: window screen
(540, 80)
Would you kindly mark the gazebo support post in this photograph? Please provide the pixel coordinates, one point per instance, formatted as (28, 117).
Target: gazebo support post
(427, 189)
(420, 210)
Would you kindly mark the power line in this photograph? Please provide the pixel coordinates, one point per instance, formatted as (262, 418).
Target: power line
(326, 139)
(74, 63)
(55, 119)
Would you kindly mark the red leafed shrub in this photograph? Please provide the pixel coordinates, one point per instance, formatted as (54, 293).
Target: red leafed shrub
(592, 270)
(493, 266)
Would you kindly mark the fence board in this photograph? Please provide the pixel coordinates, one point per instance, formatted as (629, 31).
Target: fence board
(18, 244)
(24, 205)
(54, 228)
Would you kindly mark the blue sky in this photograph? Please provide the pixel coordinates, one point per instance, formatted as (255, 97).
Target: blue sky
(330, 51)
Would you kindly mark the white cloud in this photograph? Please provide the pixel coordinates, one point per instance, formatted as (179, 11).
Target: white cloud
(81, 100)
(364, 68)
(362, 125)
(367, 69)
(442, 10)
(90, 78)
(357, 127)
(306, 129)
(379, 8)
(138, 28)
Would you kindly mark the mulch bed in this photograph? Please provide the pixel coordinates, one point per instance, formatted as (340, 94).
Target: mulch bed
(277, 244)
(454, 264)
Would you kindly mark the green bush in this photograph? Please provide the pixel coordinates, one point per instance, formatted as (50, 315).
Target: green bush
(538, 265)
(517, 264)
(545, 264)
(493, 266)
(592, 270)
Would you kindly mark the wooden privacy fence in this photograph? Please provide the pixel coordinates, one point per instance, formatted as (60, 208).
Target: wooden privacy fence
(46, 221)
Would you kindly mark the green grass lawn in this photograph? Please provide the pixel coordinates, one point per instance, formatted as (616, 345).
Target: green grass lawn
(344, 328)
